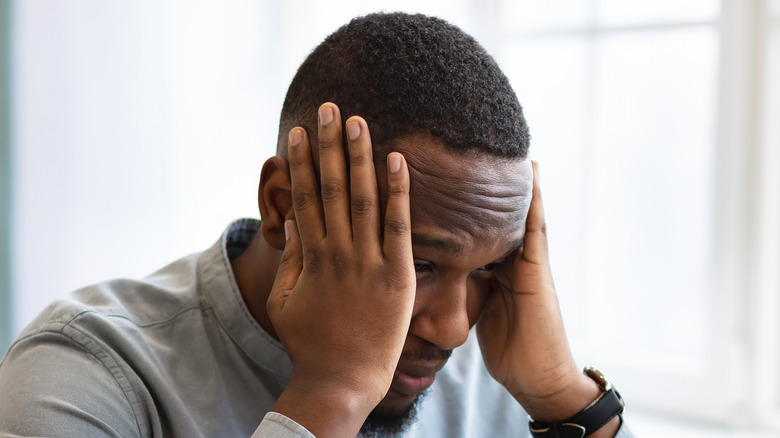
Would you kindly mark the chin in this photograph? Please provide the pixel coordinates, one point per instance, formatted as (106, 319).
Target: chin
(392, 416)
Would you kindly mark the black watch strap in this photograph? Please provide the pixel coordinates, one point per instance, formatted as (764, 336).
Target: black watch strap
(590, 419)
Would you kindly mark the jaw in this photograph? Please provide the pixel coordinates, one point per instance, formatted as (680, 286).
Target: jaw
(394, 404)
(392, 415)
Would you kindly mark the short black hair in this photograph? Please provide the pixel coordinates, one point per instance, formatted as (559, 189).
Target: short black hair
(406, 75)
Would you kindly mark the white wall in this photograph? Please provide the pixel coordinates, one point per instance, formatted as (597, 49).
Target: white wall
(140, 128)
(139, 132)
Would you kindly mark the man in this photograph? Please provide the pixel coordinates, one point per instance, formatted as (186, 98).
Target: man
(394, 217)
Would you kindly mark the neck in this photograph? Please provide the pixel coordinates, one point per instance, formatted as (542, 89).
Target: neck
(255, 271)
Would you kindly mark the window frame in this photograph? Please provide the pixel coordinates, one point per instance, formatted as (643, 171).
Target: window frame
(6, 316)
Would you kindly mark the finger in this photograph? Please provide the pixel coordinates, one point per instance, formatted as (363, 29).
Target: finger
(397, 245)
(333, 175)
(364, 197)
(289, 270)
(305, 190)
(535, 246)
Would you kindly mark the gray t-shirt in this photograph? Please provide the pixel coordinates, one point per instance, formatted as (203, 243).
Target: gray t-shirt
(178, 354)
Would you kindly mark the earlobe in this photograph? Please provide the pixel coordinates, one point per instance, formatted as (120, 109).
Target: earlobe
(274, 200)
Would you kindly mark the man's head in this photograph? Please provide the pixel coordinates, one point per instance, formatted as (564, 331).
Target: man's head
(431, 92)
(409, 74)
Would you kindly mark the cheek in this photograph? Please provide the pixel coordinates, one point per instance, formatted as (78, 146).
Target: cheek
(479, 289)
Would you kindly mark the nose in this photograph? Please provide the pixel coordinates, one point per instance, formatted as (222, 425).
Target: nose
(440, 314)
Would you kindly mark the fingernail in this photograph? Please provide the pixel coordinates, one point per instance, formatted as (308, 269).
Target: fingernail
(394, 163)
(296, 137)
(287, 230)
(326, 115)
(353, 129)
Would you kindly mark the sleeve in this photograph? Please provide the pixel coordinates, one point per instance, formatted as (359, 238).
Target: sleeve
(52, 387)
(624, 431)
(276, 425)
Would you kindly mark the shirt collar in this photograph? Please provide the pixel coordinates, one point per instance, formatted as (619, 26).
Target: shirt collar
(217, 286)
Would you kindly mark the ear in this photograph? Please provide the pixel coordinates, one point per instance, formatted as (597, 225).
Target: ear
(274, 198)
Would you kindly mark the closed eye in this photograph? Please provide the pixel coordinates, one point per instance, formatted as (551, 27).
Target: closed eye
(490, 266)
(422, 267)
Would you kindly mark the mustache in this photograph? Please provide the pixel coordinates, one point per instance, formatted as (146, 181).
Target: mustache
(426, 354)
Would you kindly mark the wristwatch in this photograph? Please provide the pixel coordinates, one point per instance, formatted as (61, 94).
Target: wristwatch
(592, 418)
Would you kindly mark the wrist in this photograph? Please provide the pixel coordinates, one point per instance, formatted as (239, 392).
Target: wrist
(570, 395)
(325, 410)
(600, 418)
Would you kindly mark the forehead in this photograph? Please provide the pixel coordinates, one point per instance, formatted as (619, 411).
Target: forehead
(474, 197)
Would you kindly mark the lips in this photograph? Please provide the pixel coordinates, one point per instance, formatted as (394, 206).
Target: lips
(413, 378)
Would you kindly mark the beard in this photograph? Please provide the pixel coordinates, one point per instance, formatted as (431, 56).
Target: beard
(386, 423)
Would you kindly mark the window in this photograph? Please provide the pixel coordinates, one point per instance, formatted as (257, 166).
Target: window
(621, 99)
(767, 306)
(5, 179)
(652, 122)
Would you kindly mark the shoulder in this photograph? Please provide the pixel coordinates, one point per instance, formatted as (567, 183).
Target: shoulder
(75, 365)
(152, 300)
(54, 386)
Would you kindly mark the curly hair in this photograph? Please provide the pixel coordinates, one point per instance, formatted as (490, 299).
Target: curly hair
(406, 75)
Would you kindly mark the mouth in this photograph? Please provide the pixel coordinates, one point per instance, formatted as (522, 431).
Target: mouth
(411, 379)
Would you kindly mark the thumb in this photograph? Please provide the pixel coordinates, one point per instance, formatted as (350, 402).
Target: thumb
(290, 268)
(535, 246)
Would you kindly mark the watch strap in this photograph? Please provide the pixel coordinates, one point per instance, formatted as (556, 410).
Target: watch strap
(587, 421)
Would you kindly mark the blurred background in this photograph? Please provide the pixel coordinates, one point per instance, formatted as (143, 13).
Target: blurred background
(132, 133)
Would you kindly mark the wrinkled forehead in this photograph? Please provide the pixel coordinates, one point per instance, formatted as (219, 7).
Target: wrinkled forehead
(479, 195)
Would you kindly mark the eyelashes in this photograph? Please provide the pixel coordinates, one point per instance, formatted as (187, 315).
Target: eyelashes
(490, 267)
(422, 268)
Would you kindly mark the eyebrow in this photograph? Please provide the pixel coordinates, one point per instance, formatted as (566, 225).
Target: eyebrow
(449, 245)
(452, 245)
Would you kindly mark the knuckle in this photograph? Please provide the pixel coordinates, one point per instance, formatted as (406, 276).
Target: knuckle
(312, 261)
(326, 144)
(297, 157)
(358, 159)
(362, 206)
(289, 257)
(332, 190)
(396, 226)
(396, 189)
(339, 262)
(303, 198)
